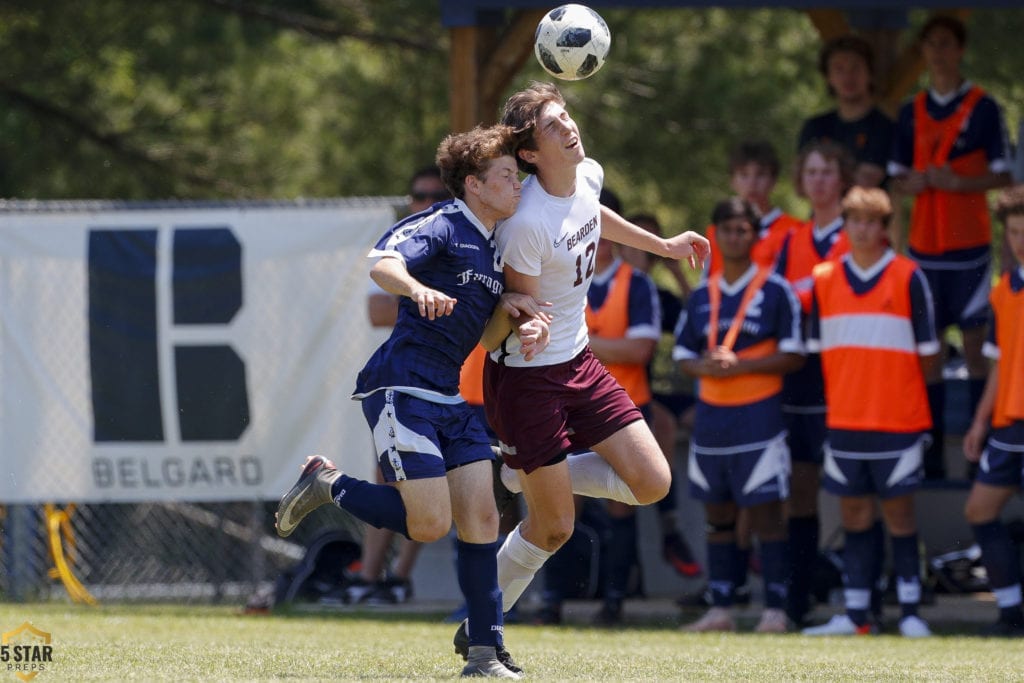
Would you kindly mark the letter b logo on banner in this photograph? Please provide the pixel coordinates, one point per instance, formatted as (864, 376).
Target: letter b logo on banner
(125, 342)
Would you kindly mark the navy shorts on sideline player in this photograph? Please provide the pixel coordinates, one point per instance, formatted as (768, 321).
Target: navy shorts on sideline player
(960, 294)
(747, 478)
(1003, 458)
(418, 439)
(885, 475)
(542, 412)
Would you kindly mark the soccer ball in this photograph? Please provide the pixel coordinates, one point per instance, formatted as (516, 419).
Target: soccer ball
(572, 42)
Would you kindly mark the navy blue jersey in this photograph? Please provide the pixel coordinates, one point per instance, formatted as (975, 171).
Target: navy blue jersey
(643, 318)
(869, 138)
(773, 314)
(446, 248)
(984, 130)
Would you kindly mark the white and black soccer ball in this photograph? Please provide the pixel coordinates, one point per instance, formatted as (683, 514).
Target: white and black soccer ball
(572, 42)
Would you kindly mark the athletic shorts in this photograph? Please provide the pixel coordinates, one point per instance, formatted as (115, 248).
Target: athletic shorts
(1002, 460)
(418, 439)
(960, 294)
(806, 438)
(542, 412)
(747, 478)
(677, 404)
(886, 476)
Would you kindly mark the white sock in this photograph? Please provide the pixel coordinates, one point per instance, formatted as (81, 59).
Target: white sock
(518, 562)
(591, 476)
(510, 479)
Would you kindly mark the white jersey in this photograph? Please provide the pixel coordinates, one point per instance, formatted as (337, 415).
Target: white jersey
(555, 238)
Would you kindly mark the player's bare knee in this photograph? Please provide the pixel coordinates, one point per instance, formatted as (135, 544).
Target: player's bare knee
(556, 532)
(977, 512)
(652, 489)
(428, 529)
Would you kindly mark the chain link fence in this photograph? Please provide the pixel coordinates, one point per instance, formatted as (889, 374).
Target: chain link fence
(180, 552)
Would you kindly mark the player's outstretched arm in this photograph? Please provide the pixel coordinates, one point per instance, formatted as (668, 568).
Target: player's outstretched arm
(688, 245)
(390, 273)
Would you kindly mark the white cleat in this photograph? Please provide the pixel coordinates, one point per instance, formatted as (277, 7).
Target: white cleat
(839, 625)
(914, 627)
(716, 619)
(773, 620)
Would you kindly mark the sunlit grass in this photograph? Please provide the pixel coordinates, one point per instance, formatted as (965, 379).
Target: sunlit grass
(219, 643)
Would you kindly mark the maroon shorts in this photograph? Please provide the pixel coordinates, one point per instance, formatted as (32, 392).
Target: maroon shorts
(541, 412)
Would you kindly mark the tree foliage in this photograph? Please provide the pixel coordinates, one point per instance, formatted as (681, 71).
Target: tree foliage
(324, 98)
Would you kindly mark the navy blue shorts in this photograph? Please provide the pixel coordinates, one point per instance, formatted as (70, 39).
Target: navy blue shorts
(887, 476)
(418, 439)
(960, 294)
(747, 478)
(1002, 460)
(540, 413)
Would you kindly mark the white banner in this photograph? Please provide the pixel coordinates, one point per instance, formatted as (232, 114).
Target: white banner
(181, 351)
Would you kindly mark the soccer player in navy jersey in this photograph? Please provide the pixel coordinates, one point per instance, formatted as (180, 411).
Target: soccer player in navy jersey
(847, 64)
(739, 335)
(950, 150)
(430, 444)
(566, 400)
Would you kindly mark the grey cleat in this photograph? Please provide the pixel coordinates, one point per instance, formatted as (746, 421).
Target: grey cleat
(312, 490)
(483, 662)
(462, 648)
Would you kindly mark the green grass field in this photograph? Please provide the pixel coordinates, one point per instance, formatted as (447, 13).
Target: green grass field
(219, 643)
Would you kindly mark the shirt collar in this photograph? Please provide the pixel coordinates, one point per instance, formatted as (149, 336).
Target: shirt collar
(769, 218)
(740, 284)
(608, 273)
(464, 208)
(943, 100)
(866, 275)
(823, 231)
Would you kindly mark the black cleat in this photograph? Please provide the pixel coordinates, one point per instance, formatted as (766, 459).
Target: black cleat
(677, 553)
(1003, 629)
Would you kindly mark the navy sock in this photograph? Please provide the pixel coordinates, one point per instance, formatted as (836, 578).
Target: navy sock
(669, 504)
(620, 556)
(906, 565)
(478, 578)
(934, 456)
(803, 553)
(1002, 562)
(742, 566)
(378, 505)
(858, 560)
(878, 582)
(722, 572)
(774, 568)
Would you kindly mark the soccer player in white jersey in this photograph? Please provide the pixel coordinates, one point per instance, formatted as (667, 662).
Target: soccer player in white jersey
(429, 442)
(564, 401)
